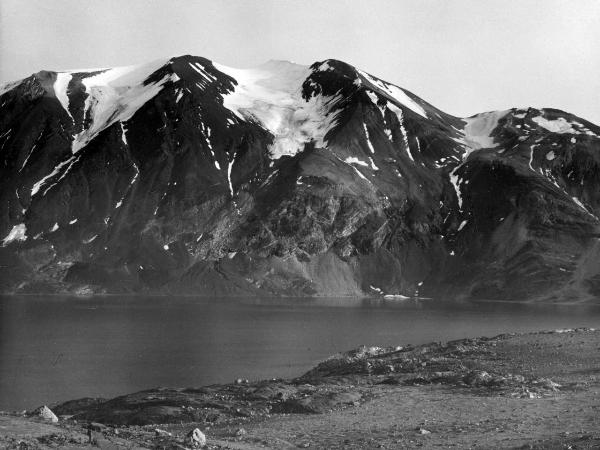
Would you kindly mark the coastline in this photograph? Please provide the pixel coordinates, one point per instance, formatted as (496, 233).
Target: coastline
(529, 390)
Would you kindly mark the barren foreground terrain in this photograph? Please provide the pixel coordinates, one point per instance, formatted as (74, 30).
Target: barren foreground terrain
(536, 390)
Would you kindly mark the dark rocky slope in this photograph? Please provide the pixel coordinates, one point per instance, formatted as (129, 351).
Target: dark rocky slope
(183, 176)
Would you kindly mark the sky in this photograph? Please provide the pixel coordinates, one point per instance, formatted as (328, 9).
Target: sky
(463, 56)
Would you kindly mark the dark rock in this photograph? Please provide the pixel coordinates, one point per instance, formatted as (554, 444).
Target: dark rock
(317, 403)
(477, 378)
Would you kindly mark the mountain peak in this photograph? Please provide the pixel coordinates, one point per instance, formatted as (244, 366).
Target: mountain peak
(184, 175)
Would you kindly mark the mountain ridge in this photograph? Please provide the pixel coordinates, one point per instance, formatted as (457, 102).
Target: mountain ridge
(187, 176)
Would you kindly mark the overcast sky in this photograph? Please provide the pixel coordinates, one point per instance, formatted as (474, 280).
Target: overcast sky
(463, 56)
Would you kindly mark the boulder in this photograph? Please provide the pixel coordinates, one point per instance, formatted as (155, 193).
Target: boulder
(99, 427)
(45, 413)
(477, 378)
(196, 438)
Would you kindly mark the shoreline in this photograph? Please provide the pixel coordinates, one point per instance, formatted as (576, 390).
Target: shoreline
(539, 388)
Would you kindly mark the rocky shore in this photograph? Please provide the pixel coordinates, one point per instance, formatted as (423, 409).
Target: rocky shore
(535, 390)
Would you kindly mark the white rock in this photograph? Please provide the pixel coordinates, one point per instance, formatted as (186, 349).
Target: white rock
(45, 413)
(196, 438)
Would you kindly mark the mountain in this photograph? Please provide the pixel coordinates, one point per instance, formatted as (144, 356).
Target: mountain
(188, 177)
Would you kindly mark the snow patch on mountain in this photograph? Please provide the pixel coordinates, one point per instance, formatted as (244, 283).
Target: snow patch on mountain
(271, 94)
(28, 156)
(393, 93)
(5, 87)
(208, 78)
(400, 116)
(371, 149)
(115, 95)
(60, 90)
(376, 102)
(373, 165)
(229, 169)
(455, 181)
(477, 132)
(324, 67)
(583, 207)
(354, 160)
(17, 233)
(359, 173)
(38, 184)
(123, 134)
(559, 125)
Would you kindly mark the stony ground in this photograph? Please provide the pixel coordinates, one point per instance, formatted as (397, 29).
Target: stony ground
(538, 390)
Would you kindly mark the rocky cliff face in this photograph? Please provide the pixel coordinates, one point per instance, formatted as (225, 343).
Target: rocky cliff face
(184, 176)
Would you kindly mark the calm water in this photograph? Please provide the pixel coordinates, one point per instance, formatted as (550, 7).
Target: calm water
(54, 349)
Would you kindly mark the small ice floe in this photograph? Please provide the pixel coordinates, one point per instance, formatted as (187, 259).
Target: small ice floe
(376, 289)
(395, 297)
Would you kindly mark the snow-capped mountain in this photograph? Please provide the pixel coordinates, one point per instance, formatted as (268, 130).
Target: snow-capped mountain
(186, 176)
